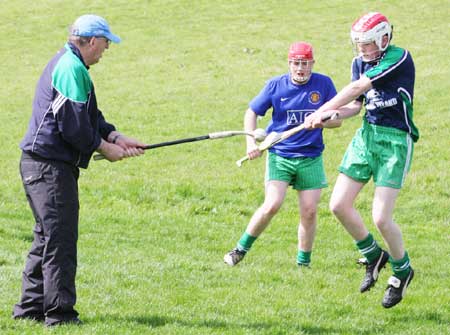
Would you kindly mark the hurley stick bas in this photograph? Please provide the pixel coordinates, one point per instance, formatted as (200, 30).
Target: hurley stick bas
(274, 138)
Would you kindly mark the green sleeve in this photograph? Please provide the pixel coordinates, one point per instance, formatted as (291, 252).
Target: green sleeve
(71, 78)
(393, 56)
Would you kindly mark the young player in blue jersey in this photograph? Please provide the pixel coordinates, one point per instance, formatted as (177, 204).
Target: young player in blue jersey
(297, 161)
(382, 79)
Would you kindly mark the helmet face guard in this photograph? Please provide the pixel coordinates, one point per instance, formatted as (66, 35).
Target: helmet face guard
(371, 27)
(301, 61)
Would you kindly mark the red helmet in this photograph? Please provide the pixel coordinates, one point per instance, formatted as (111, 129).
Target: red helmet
(300, 50)
(371, 27)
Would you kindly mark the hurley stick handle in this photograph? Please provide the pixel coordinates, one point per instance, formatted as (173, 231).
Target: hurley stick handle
(242, 160)
(98, 157)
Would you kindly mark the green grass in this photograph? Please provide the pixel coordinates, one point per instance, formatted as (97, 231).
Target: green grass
(153, 230)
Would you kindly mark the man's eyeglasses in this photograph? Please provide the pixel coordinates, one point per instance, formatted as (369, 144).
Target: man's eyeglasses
(108, 41)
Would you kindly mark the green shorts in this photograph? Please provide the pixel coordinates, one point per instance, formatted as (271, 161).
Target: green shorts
(303, 173)
(382, 152)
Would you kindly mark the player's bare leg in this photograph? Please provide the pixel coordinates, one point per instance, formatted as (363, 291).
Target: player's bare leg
(274, 197)
(342, 199)
(341, 204)
(308, 201)
(382, 209)
(275, 194)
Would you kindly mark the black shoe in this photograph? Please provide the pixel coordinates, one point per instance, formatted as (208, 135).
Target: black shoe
(396, 290)
(372, 270)
(304, 265)
(32, 317)
(71, 321)
(234, 256)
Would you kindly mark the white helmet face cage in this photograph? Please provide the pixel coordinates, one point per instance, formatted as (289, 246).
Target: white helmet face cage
(300, 69)
(363, 31)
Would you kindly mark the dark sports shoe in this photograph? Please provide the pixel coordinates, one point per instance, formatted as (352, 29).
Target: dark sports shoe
(396, 290)
(33, 317)
(234, 256)
(304, 265)
(372, 270)
(71, 321)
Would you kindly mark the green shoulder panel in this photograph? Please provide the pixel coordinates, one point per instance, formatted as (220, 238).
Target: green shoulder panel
(409, 110)
(71, 78)
(392, 56)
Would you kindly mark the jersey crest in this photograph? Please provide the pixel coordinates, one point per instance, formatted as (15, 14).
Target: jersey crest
(314, 97)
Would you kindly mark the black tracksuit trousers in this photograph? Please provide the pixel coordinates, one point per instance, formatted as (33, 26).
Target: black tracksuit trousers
(48, 280)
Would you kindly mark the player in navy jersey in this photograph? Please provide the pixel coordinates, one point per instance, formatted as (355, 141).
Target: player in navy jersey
(382, 80)
(297, 161)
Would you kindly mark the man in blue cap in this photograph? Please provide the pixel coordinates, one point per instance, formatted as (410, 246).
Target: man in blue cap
(65, 128)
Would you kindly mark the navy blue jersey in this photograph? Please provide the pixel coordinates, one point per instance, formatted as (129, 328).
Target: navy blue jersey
(290, 104)
(390, 102)
(66, 124)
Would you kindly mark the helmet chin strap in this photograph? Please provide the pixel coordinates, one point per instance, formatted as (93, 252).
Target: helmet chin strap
(300, 79)
(377, 54)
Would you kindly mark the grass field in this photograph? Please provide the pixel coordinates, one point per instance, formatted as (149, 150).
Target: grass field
(154, 229)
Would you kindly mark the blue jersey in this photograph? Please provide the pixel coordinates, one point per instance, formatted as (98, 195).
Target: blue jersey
(290, 104)
(390, 102)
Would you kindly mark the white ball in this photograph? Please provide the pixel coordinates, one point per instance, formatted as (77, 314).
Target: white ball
(259, 134)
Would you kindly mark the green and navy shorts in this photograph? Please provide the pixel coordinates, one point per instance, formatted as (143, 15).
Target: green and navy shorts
(303, 173)
(383, 153)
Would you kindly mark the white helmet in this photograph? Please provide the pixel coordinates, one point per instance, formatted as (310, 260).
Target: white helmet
(371, 27)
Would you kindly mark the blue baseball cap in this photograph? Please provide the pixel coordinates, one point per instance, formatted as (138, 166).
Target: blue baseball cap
(92, 25)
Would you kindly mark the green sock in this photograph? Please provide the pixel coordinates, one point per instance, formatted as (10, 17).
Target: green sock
(303, 257)
(401, 267)
(369, 248)
(246, 241)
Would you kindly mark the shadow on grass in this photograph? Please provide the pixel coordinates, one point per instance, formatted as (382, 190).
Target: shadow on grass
(434, 317)
(155, 321)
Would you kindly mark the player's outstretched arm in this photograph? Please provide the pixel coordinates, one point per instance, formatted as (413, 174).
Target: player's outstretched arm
(250, 118)
(346, 96)
(131, 146)
(333, 123)
(351, 109)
